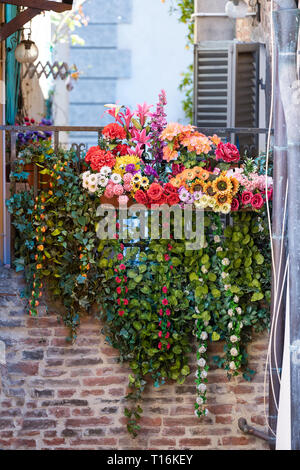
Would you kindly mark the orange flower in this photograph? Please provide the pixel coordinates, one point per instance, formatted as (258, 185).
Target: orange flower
(169, 154)
(189, 174)
(215, 140)
(39, 266)
(40, 248)
(205, 175)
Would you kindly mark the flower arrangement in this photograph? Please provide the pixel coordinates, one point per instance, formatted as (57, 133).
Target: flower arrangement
(152, 297)
(144, 158)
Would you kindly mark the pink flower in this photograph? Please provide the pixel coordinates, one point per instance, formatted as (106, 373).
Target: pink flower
(121, 313)
(161, 312)
(120, 256)
(159, 345)
(168, 312)
(127, 187)
(119, 290)
(270, 194)
(118, 280)
(227, 152)
(247, 197)
(127, 177)
(167, 335)
(109, 192)
(168, 346)
(257, 201)
(167, 257)
(118, 190)
(123, 200)
(235, 205)
(121, 246)
(126, 290)
(125, 301)
(168, 324)
(119, 300)
(165, 289)
(122, 267)
(165, 302)
(143, 112)
(170, 247)
(125, 279)
(160, 334)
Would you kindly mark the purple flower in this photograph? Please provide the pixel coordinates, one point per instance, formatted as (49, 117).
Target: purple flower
(130, 168)
(149, 171)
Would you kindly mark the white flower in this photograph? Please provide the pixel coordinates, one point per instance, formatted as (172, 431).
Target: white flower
(197, 310)
(206, 323)
(227, 286)
(232, 365)
(219, 249)
(103, 181)
(197, 374)
(224, 275)
(105, 171)
(116, 178)
(85, 183)
(241, 325)
(239, 310)
(85, 175)
(206, 412)
(199, 400)
(205, 244)
(234, 339)
(92, 188)
(203, 269)
(217, 239)
(236, 299)
(201, 388)
(225, 262)
(201, 279)
(201, 362)
(203, 335)
(230, 326)
(214, 227)
(202, 350)
(196, 413)
(203, 374)
(230, 312)
(234, 352)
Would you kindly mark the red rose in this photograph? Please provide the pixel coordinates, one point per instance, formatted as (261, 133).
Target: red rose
(114, 131)
(235, 205)
(247, 197)
(155, 192)
(173, 199)
(121, 149)
(141, 197)
(176, 169)
(227, 152)
(170, 189)
(162, 200)
(257, 201)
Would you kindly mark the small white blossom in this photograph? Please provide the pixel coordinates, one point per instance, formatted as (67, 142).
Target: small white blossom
(205, 244)
(227, 286)
(206, 323)
(239, 310)
(241, 325)
(93, 179)
(234, 339)
(103, 181)
(201, 388)
(204, 336)
(92, 188)
(219, 248)
(214, 227)
(202, 350)
(217, 239)
(225, 262)
(197, 310)
(234, 352)
(230, 312)
(203, 269)
(230, 326)
(199, 400)
(203, 374)
(232, 365)
(224, 275)
(201, 362)
(236, 299)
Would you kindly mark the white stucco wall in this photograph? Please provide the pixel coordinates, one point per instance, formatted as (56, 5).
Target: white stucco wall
(157, 43)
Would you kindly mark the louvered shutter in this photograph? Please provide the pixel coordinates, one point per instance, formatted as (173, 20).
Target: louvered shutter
(212, 84)
(247, 94)
(226, 88)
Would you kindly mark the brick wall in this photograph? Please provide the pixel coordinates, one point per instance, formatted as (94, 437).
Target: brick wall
(60, 396)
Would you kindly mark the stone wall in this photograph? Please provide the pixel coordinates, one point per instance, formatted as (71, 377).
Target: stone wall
(54, 395)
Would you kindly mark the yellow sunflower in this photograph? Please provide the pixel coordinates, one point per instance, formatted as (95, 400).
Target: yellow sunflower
(235, 185)
(136, 178)
(135, 186)
(223, 198)
(222, 185)
(144, 182)
(209, 189)
(198, 185)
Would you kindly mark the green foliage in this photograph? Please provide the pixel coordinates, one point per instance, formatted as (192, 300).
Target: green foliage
(79, 269)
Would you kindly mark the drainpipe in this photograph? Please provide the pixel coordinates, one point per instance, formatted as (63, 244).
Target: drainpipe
(286, 23)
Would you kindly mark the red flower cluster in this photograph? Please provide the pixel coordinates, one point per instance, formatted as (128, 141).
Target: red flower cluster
(120, 149)
(158, 194)
(98, 158)
(256, 200)
(113, 132)
(227, 152)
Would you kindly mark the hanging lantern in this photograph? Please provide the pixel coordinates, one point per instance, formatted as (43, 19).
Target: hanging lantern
(26, 52)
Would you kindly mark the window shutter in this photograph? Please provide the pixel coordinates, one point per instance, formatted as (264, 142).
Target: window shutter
(247, 94)
(226, 92)
(212, 83)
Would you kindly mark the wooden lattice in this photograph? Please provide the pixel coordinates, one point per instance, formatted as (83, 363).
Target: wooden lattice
(57, 69)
